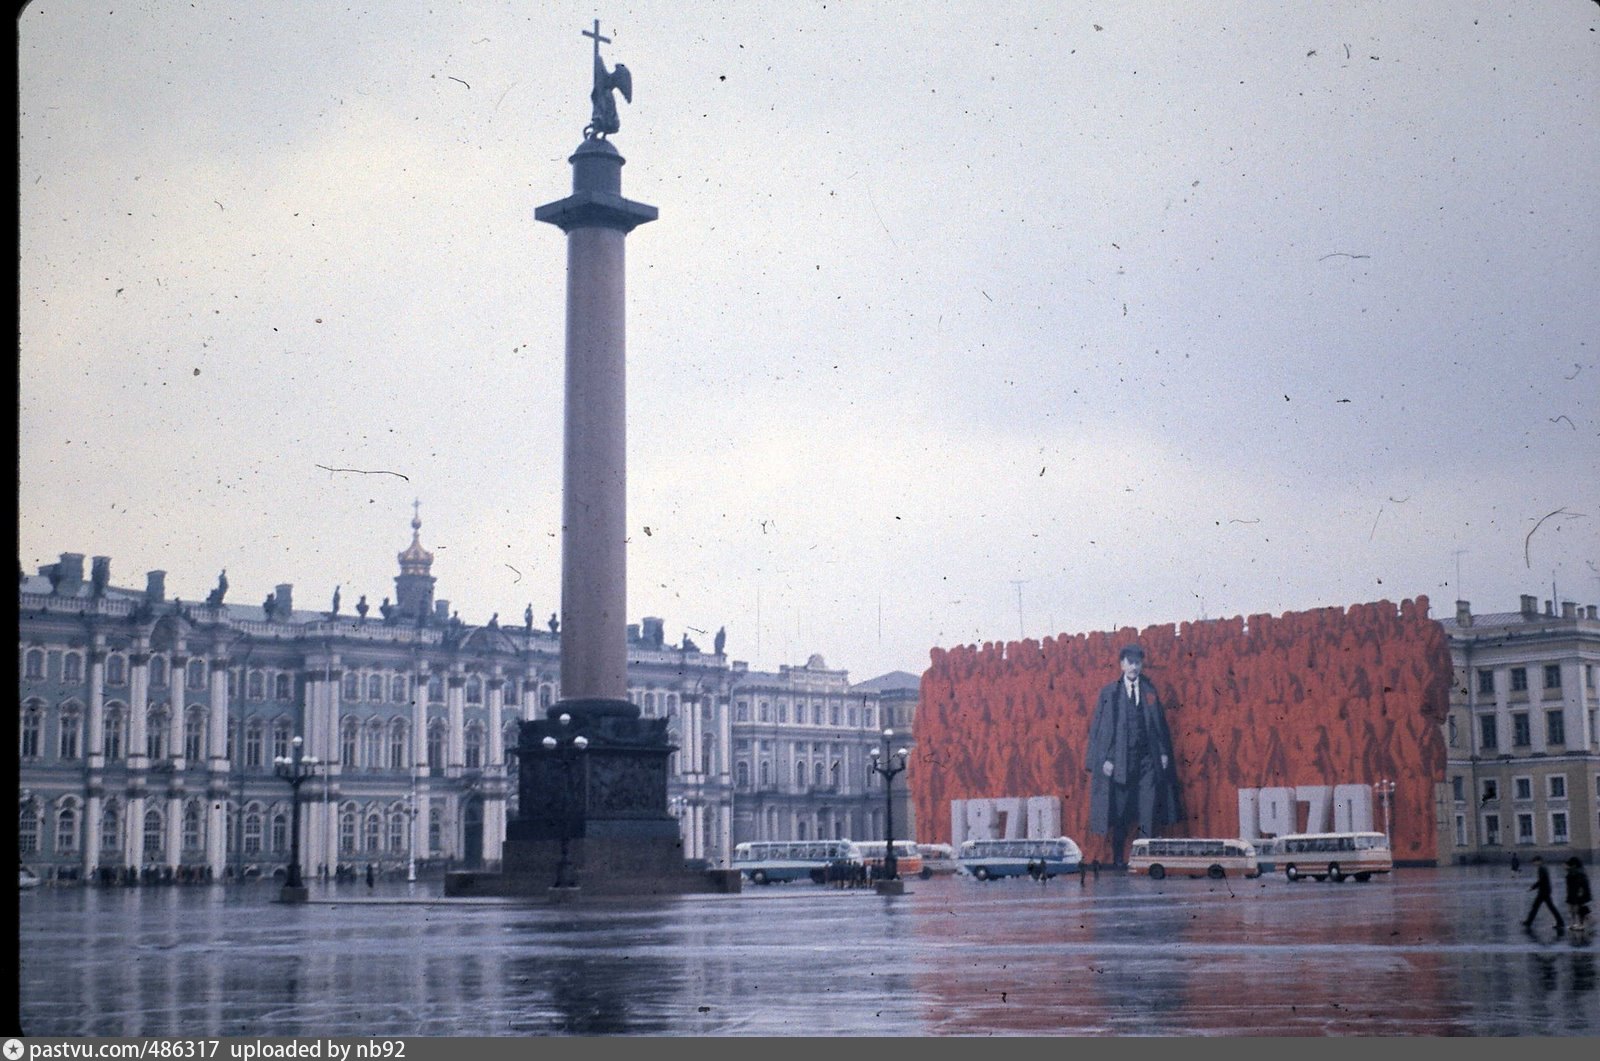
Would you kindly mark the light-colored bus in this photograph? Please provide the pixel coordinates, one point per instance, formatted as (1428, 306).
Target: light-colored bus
(1160, 857)
(988, 859)
(768, 861)
(1333, 856)
(907, 859)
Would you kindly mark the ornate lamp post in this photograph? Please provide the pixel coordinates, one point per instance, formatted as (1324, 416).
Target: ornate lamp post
(890, 766)
(1386, 794)
(411, 834)
(566, 753)
(295, 768)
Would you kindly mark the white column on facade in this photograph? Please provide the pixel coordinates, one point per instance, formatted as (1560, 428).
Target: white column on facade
(137, 756)
(217, 770)
(178, 686)
(332, 767)
(95, 754)
(455, 701)
(494, 806)
(419, 761)
(174, 844)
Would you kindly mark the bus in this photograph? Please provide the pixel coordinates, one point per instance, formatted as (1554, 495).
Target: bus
(988, 859)
(907, 859)
(1192, 857)
(1333, 856)
(769, 861)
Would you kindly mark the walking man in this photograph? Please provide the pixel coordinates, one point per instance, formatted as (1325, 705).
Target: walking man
(1579, 895)
(1541, 897)
(1133, 777)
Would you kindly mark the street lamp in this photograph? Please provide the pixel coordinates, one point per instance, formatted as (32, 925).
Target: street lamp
(1386, 794)
(411, 833)
(296, 769)
(889, 766)
(566, 752)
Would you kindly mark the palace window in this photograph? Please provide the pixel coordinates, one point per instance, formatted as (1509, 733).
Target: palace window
(1522, 788)
(741, 711)
(1519, 679)
(282, 739)
(155, 735)
(372, 745)
(155, 835)
(347, 742)
(67, 829)
(372, 834)
(255, 686)
(473, 747)
(252, 743)
(1558, 827)
(1491, 830)
(193, 830)
(28, 823)
(1485, 682)
(1524, 828)
(33, 664)
(158, 672)
(1488, 737)
(116, 670)
(111, 827)
(1552, 675)
(741, 774)
(72, 668)
(280, 831)
(197, 674)
(474, 691)
(194, 735)
(352, 687)
(1556, 786)
(32, 729)
(347, 831)
(283, 688)
(375, 688)
(436, 746)
(253, 824)
(397, 689)
(113, 734)
(1489, 790)
(1555, 727)
(70, 727)
(397, 832)
(397, 746)
(1521, 731)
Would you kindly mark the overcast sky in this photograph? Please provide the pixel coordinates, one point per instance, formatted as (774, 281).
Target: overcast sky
(960, 321)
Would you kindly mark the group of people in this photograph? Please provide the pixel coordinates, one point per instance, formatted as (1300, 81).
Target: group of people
(1579, 896)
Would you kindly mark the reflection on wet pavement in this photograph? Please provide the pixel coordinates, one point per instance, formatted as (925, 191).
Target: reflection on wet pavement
(1427, 952)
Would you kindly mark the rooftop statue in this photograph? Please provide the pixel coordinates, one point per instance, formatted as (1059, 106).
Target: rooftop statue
(605, 120)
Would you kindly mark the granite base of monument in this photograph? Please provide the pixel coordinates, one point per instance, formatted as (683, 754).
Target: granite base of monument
(592, 781)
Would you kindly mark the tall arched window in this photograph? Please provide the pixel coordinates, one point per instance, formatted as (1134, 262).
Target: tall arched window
(197, 674)
(283, 687)
(155, 836)
(113, 734)
(67, 819)
(111, 826)
(435, 830)
(72, 667)
(348, 732)
(282, 735)
(32, 729)
(254, 821)
(194, 734)
(352, 687)
(252, 742)
(255, 686)
(70, 727)
(30, 821)
(473, 746)
(280, 831)
(375, 688)
(116, 670)
(372, 833)
(474, 691)
(741, 774)
(372, 741)
(397, 745)
(397, 831)
(33, 665)
(194, 827)
(158, 672)
(436, 733)
(766, 774)
(397, 689)
(155, 734)
(347, 829)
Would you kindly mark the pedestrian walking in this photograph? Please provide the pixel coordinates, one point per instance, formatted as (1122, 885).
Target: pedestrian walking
(1541, 897)
(372, 875)
(1516, 863)
(1578, 894)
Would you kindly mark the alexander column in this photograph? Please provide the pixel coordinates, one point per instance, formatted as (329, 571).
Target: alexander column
(596, 219)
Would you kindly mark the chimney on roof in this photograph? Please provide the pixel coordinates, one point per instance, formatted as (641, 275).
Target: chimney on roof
(69, 574)
(283, 606)
(1463, 613)
(1594, 611)
(1569, 609)
(100, 575)
(1549, 609)
(155, 587)
(1530, 606)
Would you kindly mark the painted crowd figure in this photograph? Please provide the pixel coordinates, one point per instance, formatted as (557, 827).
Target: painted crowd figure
(1133, 787)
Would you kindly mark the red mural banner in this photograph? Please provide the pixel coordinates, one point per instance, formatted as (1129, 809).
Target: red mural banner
(1326, 697)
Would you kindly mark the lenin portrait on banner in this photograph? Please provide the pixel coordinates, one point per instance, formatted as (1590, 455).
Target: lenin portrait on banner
(1133, 787)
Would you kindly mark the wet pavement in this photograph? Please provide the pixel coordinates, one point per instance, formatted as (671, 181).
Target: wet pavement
(1423, 952)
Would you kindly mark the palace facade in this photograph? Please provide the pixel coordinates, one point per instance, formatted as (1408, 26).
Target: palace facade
(150, 728)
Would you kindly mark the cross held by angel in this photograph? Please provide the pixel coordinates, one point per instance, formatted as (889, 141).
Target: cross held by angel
(604, 120)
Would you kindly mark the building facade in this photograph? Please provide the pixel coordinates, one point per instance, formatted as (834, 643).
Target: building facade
(149, 729)
(1523, 747)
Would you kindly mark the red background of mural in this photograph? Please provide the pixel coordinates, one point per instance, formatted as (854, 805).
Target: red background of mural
(1325, 697)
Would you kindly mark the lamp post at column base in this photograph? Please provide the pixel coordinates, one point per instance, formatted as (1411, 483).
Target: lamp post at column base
(296, 769)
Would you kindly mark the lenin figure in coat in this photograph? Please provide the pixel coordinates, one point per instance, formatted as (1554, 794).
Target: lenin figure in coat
(1133, 787)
